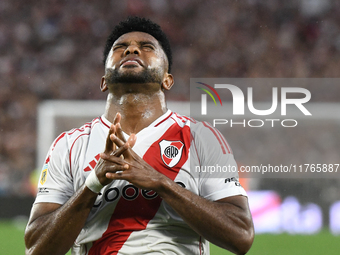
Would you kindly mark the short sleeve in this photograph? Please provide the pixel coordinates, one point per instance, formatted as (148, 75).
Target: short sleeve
(214, 164)
(55, 182)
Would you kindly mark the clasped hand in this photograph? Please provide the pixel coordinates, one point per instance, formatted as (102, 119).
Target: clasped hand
(120, 162)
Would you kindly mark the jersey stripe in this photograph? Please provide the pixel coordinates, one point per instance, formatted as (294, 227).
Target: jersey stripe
(70, 155)
(103, 122)
(216, 135)
(55, 143)
(130, 216)
(192, 143)
(86, 125)
(163, 120)
(225, 142)
(82, 129)
(222, 138)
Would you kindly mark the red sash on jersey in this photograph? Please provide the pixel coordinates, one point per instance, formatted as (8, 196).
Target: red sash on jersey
(130, 216)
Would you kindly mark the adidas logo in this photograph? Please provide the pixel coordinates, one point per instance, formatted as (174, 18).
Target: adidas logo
(92, 164)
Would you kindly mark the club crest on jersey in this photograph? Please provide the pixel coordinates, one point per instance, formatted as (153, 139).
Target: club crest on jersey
(171, 152)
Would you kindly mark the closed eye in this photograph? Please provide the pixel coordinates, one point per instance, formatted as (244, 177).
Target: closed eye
(147, 45)
(119, 46)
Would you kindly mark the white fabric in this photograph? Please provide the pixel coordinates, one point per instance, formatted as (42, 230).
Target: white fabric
(121, 208)
(93, 183)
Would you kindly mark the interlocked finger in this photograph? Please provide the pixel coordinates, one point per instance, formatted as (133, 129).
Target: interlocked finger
(119, 132)
(115, 139)
(120, 150)
(116, 168)
(109, 146)
(117, 118)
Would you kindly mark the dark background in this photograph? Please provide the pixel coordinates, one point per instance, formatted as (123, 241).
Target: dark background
(53, 50)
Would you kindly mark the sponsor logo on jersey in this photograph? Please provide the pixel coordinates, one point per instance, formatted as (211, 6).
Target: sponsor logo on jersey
(233, 179)
(129, 192)
(43, 175)
(43, 190)
(171, 152)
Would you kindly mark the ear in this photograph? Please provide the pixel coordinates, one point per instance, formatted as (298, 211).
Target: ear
(168, 81)
(103, 86)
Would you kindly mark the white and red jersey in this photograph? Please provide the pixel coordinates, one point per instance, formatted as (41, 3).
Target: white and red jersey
(125, 219)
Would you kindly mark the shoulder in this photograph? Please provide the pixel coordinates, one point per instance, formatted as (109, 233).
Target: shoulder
(201, 132)
(85, 130)
(197, 128)
(182, 120)
(67, 140)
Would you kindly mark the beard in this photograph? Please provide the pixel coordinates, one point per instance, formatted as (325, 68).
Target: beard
(154, 75)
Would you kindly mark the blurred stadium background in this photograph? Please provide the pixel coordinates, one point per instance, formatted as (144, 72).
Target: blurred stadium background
(52, 50)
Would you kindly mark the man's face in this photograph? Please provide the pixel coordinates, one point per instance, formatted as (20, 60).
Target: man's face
(136, 57)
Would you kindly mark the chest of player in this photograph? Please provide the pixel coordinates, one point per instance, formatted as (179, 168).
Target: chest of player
(168, 155)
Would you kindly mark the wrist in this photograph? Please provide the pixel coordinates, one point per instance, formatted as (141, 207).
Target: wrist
(92, 182)
(165, 187)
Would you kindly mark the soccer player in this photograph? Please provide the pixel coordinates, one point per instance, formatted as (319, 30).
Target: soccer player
(129, 187)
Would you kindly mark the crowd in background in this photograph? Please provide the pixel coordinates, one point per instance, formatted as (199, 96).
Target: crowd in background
(53, 50)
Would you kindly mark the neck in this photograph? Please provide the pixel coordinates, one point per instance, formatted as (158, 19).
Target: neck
(137, 110)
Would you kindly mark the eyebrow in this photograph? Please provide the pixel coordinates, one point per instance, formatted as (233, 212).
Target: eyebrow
(140, 43)
(120, 44)
(147, 42)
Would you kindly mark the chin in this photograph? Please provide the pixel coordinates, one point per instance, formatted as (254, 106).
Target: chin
(133, 75)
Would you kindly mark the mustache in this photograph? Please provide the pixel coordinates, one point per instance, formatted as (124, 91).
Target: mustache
(113, 76)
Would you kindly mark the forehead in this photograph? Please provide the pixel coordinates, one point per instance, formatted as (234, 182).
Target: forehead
(137, 37)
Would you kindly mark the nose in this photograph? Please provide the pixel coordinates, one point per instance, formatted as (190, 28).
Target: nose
(132, 49)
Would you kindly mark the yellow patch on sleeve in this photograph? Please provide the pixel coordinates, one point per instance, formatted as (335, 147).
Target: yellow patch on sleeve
(43, 175)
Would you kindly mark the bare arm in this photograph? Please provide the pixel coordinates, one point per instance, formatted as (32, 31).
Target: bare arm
(226, 223)
(52, 228)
